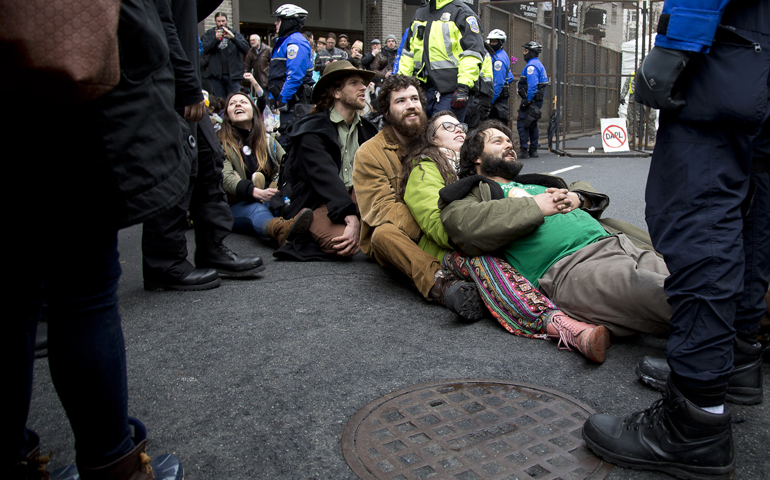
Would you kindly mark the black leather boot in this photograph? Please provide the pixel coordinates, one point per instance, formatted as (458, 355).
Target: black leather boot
(672, 436)
(198, 279)
(523, 153)
(533, 152)
(744, 386)
(209, 254)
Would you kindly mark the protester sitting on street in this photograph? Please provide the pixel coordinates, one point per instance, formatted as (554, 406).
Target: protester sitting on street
(560, 248)
(258, 91)
(319, 166)
(389, 233)
(249, 173)
(429, 166)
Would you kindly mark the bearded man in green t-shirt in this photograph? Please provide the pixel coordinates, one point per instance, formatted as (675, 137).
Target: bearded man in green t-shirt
(551, 235)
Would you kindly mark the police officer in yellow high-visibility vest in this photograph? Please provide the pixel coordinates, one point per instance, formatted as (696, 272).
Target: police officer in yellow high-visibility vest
(444, 50)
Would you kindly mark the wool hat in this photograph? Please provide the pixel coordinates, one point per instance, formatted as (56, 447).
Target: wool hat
(376, 41)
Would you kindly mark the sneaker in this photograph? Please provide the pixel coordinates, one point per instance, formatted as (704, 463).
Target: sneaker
(672, 436)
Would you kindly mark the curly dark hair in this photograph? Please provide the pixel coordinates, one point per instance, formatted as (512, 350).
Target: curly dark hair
(396, 83)
(474, 146)
(425, 146)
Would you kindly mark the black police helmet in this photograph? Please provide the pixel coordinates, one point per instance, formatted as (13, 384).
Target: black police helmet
(533, 46)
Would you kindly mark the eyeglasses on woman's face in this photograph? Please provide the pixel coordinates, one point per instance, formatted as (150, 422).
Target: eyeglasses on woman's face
(451, 127)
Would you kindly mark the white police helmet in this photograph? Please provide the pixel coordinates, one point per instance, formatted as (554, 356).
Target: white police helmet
(496, 34)
(289, 10)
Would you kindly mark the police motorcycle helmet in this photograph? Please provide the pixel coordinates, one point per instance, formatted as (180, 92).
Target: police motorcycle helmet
(289, 10)
(533, 46)
(498, 35)
(292, 18)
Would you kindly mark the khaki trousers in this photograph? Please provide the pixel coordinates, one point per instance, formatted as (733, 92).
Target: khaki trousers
(612, 283)
(323, 230)
(392, 246)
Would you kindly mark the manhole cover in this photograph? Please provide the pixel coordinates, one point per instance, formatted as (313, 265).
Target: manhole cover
(471, 429)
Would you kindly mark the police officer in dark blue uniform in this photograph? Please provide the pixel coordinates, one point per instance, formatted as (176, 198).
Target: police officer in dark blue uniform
(502, 76)
(708, 212)
(531, 89)
(290, 80)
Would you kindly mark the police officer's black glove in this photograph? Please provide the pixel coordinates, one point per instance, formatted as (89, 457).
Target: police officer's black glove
(655, 84)
(280, 106)
(460, 97)
(524, 105)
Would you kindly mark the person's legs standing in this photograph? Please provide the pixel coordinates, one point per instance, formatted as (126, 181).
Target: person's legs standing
(219, 87)
(86, 348)
(210, 213)
(444, 102)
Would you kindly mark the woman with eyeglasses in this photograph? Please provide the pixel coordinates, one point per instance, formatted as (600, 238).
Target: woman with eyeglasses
(521, 309)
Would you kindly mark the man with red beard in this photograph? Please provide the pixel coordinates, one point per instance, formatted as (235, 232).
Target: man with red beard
(389, 233)
(319, 166)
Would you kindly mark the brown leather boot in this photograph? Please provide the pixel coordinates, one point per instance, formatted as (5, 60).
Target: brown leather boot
(283, 230)
(459, 296)
(590, 340)
(135, 465)
(33, 466)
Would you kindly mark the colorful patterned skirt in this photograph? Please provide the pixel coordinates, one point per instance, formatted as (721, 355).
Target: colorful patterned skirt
(513, 301)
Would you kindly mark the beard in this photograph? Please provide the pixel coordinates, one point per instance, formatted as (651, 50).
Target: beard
(353, 101)
(498, 166)
(409, 130)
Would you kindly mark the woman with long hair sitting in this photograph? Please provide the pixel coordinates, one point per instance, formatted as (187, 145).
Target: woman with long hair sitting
(430, 165)
(249, 173)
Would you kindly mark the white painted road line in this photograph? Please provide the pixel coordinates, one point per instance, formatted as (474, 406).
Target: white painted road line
(565, 169)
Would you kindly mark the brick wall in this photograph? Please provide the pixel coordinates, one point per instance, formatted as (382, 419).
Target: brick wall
(227, 7)
(383, 18)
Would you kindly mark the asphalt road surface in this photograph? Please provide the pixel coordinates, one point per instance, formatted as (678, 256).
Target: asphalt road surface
(258, 378)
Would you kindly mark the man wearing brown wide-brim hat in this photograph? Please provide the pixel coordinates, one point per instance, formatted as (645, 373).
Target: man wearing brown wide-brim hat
(318, 170)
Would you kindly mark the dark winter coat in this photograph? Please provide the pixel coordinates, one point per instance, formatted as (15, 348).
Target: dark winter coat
(310, 174)
(236, 49)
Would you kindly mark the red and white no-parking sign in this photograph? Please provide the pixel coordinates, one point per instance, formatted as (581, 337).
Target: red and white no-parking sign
(614, 135)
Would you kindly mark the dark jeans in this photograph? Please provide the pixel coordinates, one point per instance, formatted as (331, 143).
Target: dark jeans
(224, 86)
(77, 278)
(444, 103)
